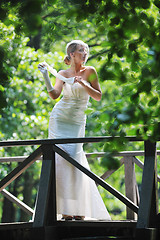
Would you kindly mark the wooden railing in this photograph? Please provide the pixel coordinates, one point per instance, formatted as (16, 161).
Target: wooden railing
(129, 160)
(45, 212)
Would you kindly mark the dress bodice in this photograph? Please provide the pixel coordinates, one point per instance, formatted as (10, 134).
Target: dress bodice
(75, 91)
(72, 106)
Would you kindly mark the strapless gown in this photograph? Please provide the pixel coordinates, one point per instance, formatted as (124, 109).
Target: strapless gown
(77, 194)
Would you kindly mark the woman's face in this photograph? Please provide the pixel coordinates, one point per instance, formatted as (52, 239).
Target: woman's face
(80, 54)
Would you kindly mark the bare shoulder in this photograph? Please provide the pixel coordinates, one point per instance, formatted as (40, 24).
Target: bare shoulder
(65, 73)
(62, 72)
(90, 69)
(91, 74)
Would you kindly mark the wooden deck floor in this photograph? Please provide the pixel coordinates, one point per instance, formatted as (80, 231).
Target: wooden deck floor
(64, 230)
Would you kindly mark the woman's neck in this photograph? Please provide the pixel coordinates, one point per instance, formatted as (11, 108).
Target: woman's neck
(76, 67)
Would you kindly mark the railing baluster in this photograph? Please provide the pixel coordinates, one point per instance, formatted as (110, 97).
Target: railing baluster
(45, 212)
(18, 202)
(130, 185)
(20, 169)
(147, 212)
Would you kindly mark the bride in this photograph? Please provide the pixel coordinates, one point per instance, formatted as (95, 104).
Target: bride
(77, 194)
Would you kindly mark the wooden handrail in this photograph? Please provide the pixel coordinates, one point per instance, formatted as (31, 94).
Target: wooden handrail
(65, 140)
(88, 155)
(52, 143)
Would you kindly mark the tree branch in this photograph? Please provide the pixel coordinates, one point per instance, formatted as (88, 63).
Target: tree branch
(98, 54)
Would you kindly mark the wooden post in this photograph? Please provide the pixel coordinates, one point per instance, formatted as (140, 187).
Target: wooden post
(148, 209)
(45, 212)
(130, 185)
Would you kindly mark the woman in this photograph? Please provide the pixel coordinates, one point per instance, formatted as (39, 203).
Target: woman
(77, 194)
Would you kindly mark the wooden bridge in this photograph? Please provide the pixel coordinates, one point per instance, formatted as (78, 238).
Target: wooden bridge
(142, 212)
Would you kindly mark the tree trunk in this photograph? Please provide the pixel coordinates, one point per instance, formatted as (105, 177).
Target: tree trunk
(9, 210)
(27, 194)
(35, 41)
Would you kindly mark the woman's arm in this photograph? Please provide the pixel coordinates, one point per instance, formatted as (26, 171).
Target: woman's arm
(93, 89)
(55, 93)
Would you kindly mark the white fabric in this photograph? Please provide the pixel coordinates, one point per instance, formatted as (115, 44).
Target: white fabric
(77, 194)
(54, 72)
(46, 77)
(43, 67)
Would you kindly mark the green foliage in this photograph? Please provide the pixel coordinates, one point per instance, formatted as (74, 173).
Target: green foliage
(110, 162)
(124, 40)
(125, 50)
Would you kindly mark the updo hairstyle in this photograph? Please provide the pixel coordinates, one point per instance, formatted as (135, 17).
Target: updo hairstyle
(71, 47)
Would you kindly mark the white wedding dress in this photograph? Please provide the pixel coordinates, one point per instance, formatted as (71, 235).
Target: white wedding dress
(77, 194)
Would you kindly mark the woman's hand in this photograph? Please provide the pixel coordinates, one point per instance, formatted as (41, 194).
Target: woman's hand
(80, 80)
(42, 67)
(93, 87)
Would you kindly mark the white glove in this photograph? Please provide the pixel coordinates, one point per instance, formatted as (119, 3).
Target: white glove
(42, 68)
(44, 71)
(54, 72)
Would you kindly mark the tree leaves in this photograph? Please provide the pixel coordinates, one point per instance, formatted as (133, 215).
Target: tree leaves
(153, 101)
(110, 162)
(121, 38)
(124, 48)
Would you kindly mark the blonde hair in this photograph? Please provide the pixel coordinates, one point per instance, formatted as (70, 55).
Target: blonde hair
(71, 47)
